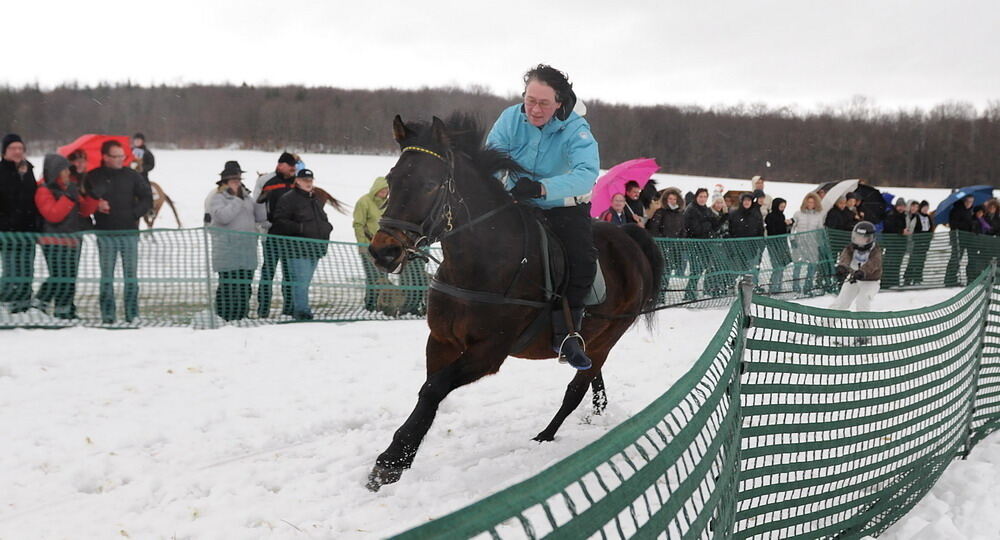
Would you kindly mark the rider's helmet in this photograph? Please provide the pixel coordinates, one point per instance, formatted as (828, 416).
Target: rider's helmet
(863, 235)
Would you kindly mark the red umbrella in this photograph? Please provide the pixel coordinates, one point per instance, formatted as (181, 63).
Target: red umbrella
(91, 144)
(614, 181)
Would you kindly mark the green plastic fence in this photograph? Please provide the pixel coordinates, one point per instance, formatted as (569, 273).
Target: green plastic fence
(210, 277)
(796, 422)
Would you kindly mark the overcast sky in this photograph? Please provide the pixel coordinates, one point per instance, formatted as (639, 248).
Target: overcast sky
(781, 52)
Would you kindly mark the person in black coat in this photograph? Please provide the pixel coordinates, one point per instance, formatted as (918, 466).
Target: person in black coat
(668, 222)
(18, 214)
(777, 242)
(299, 213)
(123, 198)
(894, 242)
(699, 222)
(268, 191)
(920, 240)
(144, 159)
(960, 219)
(746, 221)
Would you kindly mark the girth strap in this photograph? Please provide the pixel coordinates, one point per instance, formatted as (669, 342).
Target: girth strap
(483, 297)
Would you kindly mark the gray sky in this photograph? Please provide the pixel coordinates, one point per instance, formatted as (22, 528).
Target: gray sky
(781, 52)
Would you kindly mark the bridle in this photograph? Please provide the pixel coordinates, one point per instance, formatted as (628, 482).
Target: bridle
(439, 223)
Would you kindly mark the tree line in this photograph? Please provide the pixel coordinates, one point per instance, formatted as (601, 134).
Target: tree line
(950, 145)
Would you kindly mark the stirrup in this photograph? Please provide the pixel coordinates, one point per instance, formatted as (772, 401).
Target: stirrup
(574, 335)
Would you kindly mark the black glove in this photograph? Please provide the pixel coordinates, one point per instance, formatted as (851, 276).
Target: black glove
(526, 189)
(842, 272)
(857, 276)
(73, 191)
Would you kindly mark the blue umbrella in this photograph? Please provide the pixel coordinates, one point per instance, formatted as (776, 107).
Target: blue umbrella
(980, 193)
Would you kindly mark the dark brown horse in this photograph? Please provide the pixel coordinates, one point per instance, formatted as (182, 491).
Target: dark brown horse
(488, 290)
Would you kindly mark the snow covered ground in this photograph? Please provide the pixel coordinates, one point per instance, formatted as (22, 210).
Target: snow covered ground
(270, 433)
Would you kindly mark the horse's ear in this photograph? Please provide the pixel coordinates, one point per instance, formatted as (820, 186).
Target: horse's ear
(440, 133)
(399, 130)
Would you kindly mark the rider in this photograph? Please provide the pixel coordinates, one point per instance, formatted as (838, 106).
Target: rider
(554, 145)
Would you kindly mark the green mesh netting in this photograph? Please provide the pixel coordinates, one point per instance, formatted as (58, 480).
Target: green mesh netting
(808, 423)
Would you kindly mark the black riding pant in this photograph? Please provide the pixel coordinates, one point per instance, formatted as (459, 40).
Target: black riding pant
(574, 228)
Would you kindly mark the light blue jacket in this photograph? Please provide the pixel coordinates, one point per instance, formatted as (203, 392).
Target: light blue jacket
(562, 155)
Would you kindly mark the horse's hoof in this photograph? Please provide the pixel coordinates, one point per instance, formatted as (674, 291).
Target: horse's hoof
(544, 437)
(381, 476)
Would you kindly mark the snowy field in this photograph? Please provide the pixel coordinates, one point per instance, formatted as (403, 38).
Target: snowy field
(270, 433)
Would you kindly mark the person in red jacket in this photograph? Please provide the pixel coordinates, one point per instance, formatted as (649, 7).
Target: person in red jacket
(65, 211)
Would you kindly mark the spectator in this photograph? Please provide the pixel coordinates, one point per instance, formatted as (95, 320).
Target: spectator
(124, 197)
(719, 266)
(992, 207)
(78, 166)
(299, 213)
(269, 189)
(144, 160)
(860, 266)
(699, 222)
(979, 250)
(921, 225)
(618, 213)
(853, 204)
(762, 199)
(894, 241)
(807, 244)
(633, 204)
(233, 215)
(62, 207)
(367, 211)
(746, 222)
(960, 220)
(841, 217)
(777, 226)
(668, 222)
(18, 214)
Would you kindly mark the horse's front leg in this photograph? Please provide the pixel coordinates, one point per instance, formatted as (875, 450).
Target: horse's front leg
(464, 369)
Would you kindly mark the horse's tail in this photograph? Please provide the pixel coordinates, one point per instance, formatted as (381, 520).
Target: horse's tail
(651, 295)
(168, 200)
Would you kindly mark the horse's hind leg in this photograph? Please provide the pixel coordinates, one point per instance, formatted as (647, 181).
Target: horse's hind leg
(575, 391)
(600, 396)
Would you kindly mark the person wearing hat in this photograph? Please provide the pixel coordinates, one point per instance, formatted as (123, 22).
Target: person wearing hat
(859, 265)
(300, 214)
(960, 219)
(232, 215)
(746, 221)
(18, 214)
(123, 198)
(144, 160)
(367, 211)
(922, 227)
(894, 243)
(269, 189)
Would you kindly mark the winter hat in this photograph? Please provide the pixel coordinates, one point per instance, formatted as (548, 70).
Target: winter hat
(900, 202)
(52, 166)
(852, 195)
(139, 136)
(8, 139)
(231, 170)
(305, 173)
(287, 159)
(717, 197)
(746, 196)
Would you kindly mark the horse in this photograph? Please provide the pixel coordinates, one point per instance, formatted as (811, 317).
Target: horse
(487, 294)
(159, 197)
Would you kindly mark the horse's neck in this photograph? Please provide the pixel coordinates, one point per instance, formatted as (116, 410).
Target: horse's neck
(477, 254)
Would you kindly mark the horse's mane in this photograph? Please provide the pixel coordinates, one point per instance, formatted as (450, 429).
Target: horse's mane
(467, 137)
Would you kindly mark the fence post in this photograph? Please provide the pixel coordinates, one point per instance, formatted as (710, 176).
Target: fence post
(978, 361)
(209, 297)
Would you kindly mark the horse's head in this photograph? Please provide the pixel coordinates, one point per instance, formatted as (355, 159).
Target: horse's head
(419, 184)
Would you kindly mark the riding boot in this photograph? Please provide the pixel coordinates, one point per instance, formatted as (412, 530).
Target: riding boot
(569, 345)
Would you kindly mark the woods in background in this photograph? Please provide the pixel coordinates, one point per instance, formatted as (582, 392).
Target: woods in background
(951, 145)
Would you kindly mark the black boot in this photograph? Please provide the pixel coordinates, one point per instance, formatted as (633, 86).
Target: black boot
(570, 346)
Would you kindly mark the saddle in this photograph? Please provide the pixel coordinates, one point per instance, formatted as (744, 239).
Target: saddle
(556, 277)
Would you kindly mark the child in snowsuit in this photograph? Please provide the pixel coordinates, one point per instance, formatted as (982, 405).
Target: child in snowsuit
(860, 266)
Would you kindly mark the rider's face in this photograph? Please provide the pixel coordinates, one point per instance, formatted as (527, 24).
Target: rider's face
(539, 103)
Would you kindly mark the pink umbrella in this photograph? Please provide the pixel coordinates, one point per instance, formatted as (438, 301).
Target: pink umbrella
(615, 179)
